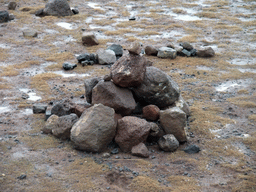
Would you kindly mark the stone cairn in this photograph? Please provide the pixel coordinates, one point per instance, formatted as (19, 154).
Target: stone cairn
(136, 103)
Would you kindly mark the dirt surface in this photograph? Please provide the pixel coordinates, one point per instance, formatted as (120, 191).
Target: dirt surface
(221, 92)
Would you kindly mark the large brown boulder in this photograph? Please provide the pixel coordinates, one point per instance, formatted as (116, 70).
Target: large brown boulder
(64, 125)
(131, 131)
(118, 98)
(173, 121)
(95, 129)
(57, 8)
(157, 88)
(129, 70)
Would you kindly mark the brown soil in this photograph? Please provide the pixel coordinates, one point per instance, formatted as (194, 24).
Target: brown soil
(221, 92)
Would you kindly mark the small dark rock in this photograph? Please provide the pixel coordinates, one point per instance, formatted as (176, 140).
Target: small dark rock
(118, 49)
(87, 59)
(40, 13)
(115, 151)
(191, 149)
(133, 18)
(39, 108)
(12, 5)
(68, 66)
(4, 16)
(23, 176)
(75, 11)
(24, 96)
(186, 46)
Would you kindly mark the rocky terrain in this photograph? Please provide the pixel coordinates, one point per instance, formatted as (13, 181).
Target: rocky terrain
(35, 42)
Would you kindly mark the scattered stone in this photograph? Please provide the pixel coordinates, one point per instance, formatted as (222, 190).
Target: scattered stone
(87, 59)
(129, 71)
(150, 50)
(11, 17)
(176, 47)
(118, 49)
(64, 125)
(95, 129)
(106, 57)
(140, 150)
(50, 124)
(75, 11)
(173, 121)
(186, 45)
(88, 38)
(57, 8)
(207, 52)
(4, 16)
(68, 66)
(151, 112)
(24, 96)
(168, 143)
(12, 5)
(40, 13)
(191, 149)
(29, 33)
(89, 84)
(130, 132)
(135, 48)
(133, 18)
(118, 98)
(21, 177)
(166, 52)
(157, 88)
(186, 52)
(61, 109)
(39, 108)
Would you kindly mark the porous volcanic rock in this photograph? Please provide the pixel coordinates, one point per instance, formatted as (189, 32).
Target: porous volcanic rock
(89, 84)
(140, 150)
(173, 121)
(95, 129)
(57, 8)
(131, 131)
(168, 143)
(157, 88)
(151, 112)
(129, 70)
(64, 125)
(118, 98)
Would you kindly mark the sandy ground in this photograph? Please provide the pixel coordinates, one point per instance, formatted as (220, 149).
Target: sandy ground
(221, 92)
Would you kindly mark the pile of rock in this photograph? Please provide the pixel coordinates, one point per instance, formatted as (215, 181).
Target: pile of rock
(135, 103)
(183, 49)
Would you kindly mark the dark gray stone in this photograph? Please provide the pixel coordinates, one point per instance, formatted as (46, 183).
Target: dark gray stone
(61, 109)
(75, 11)
(57, 8)
(12, 5)
(4, 16)
(68, 66)
(191, 149)
(89, 84)
(87, 59)
(118, 49)
(187, 46)
(39, 108)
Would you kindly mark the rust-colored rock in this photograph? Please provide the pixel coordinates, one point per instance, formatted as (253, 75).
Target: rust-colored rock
(151, 112)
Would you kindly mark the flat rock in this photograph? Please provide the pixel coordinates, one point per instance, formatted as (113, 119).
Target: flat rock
(29, 33)
(191, 149)
(157, 88)
(95, 129)
(166, 52)
(129, 71)
(168, 143)
(88, 38)
(131, 131)
(118, 98)
(140, 150)
(173, 121)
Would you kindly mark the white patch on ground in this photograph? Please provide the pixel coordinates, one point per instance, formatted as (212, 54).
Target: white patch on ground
(204, 68)
(247, 70)
(27, 112)
(228, 85)
(5, 109)
(94, 5)
(18, 155)
(66, 75)
(51, 31)
(32, 95)
(5, 46)
(65, 25)
(246, 61)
